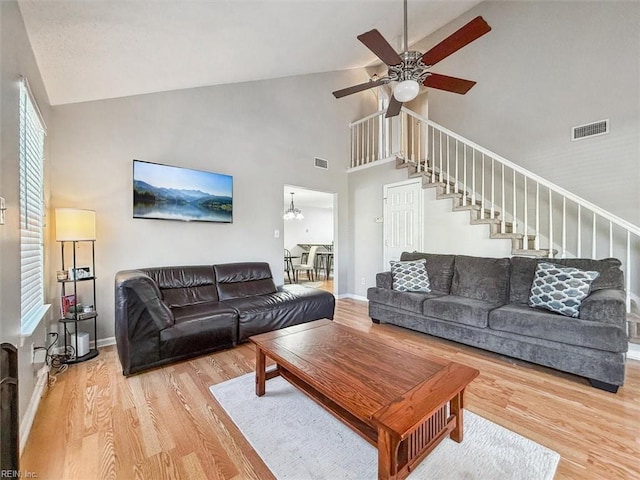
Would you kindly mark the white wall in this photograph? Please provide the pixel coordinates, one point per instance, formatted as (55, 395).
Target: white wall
(451, 232)
(16, 59)
(444, 231)
(315, 227)
(545, 67)
(265, 134)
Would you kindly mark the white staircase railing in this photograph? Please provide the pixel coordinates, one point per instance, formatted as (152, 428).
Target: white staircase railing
(548, 218)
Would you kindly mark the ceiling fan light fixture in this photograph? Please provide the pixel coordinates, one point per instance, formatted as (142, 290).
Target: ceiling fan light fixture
(406, 90)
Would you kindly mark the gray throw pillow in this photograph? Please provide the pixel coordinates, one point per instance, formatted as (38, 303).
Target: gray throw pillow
(560, 289)
(410, 276)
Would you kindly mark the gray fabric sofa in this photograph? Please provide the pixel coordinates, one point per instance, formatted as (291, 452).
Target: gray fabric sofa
(483, 302)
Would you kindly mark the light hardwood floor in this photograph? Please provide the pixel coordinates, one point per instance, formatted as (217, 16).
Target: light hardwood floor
(164, 424)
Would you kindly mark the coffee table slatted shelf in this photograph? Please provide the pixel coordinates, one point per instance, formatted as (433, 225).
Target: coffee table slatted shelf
(401, 403)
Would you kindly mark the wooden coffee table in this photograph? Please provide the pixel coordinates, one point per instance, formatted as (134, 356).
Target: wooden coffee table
(402, 403)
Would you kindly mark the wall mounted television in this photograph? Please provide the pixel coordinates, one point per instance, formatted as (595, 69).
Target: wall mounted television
(166, 192)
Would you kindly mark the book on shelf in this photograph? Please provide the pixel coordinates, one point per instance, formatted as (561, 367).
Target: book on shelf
(66, 302)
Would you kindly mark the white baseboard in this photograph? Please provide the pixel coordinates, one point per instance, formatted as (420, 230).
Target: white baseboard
(354, 297)
(105, 342)
(32, 408)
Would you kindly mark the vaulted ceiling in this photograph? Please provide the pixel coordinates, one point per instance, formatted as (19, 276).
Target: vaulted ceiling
(89, 50)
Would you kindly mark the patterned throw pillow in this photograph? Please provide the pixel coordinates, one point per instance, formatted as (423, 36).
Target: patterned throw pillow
(560, 289)
(410, 276)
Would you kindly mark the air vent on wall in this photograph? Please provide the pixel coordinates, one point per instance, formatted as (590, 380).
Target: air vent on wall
(590, 130)
(321, 163)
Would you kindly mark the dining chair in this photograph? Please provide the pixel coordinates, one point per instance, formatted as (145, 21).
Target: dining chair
(308, 267)
(288, 263)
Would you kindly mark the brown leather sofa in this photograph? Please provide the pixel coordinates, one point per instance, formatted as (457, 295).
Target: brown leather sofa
(167, 314)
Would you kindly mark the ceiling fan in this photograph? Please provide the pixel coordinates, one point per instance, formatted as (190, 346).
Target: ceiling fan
(411, 68)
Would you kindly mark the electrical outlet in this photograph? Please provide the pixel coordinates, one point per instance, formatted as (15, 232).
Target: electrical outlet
(276, 233)
(3, 208)
(362, 281)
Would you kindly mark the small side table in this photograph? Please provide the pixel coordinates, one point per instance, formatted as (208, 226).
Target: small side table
(82, 317)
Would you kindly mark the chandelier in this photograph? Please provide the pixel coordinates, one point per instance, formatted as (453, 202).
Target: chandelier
(293, 212)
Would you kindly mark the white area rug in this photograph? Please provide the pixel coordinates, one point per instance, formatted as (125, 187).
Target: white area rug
(299, 440)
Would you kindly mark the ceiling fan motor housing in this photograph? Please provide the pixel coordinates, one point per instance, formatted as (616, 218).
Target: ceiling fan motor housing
(411, 68)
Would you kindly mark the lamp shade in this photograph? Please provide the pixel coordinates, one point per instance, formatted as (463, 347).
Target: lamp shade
(75, 224)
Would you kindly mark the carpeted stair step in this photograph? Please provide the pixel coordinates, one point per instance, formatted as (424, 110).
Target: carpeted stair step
(499, 228)
(449, 195)
(456, 194)
(517, 240)
(426, 182)
(401, 163)
(543, 252)
(498, 234)
(477, 209)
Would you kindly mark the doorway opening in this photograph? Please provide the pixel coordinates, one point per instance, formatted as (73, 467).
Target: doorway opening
(309, 242)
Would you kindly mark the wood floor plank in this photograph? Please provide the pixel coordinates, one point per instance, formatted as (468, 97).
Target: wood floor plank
(106, 450)
(165, 424)
(192, 468)
(127, 441)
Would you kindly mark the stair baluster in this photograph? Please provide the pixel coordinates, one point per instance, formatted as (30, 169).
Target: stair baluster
(423, 151)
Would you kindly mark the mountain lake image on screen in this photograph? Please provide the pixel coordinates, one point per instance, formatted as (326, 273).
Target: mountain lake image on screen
(176, 193)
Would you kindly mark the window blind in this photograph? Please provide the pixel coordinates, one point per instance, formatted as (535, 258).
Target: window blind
(32, 133)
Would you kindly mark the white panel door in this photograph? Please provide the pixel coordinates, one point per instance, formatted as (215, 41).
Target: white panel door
(403, 225)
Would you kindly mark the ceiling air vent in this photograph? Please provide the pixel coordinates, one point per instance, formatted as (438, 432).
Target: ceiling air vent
(321, 163)
(590, 130)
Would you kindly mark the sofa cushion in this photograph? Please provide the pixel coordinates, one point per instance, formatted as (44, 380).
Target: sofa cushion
(439, 268)
(178, 297)
(290, 305)
(453, 308)
(240, 280)
(532, 322)
(410, 301)
(481, 278)
(523, 270)
(410, 276)
(184, 285)
(560, 289)
(199, 328)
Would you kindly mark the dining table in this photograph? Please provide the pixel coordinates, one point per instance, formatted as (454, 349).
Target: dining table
(324, 261)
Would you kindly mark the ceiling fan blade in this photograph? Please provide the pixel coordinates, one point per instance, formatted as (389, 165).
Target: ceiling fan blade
(450, 84)
(394, 108)
(360, 87)
(454, 42)
(375, 42)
